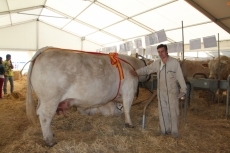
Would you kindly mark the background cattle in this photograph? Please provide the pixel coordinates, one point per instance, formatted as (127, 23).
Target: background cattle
(223, 70)
(219, 69)
(190, 67)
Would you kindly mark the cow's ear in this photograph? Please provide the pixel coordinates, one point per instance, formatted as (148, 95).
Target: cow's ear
(205, 65)
(150, 62)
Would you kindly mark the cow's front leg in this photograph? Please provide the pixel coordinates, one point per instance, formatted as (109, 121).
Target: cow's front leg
(127, 103)
(46, 113)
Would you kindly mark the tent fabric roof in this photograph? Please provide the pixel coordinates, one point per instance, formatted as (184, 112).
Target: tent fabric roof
(112, 22)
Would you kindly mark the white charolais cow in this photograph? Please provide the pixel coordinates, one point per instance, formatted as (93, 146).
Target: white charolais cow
(62, 78)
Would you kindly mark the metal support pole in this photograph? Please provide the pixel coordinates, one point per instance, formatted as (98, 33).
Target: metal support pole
(146, 105)
(82, 45)
(186, 101)
(182, 41)
(227, 100)
(218, 71)
(37, 34)
(218, 56)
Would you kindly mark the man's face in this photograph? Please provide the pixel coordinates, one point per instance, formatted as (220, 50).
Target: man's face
(162, 52)
(8, 58)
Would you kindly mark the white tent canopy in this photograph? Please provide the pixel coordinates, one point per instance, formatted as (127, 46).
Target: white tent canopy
(89, 25)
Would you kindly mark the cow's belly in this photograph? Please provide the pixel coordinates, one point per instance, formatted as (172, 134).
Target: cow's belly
(87, 83)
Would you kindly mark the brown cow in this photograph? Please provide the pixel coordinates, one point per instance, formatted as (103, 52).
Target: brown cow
(213, 66)
(219, 70)
(189, 68)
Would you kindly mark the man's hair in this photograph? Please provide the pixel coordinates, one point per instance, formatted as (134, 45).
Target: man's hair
(8, 55)
(162, 45)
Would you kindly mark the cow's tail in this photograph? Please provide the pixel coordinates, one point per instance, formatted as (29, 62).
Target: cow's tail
(24, 67)
(30, 106)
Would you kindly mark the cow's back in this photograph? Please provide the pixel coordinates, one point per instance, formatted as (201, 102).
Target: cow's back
(74, 75)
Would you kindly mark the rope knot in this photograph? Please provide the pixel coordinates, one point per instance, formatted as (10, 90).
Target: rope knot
(116, 62)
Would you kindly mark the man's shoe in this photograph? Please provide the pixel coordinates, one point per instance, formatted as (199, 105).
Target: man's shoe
(161, 134)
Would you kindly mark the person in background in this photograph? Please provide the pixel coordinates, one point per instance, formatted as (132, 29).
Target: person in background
(169, 74)
(2, 72)
(8, 74)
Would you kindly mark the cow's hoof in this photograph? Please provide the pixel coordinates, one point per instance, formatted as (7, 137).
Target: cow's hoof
(50, 144)
(128, 125)
(175, 135)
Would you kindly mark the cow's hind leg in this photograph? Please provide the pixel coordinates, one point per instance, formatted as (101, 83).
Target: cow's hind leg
(46, 111)
(127, 103)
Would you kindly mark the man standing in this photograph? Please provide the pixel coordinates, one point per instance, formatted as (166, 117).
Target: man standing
(8, 74)
(169, 74)
(2, 72)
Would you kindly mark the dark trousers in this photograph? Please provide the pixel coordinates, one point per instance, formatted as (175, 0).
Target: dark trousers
(1, 84)
(11, 79)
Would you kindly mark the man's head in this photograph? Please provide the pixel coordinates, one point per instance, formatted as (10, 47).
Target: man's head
(162, 51)
(8, 57)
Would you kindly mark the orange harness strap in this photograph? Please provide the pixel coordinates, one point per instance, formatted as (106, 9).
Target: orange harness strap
(116, 62)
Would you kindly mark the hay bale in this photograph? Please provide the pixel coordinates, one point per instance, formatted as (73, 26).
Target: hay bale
(17, 75)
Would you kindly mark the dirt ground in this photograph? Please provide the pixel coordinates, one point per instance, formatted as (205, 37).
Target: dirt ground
(206, 129)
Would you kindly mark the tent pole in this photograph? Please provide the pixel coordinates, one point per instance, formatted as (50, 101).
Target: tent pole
(182, 41)
(82, 39)
(37, 34)
(218, 56)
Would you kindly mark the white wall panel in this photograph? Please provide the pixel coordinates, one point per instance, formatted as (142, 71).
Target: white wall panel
(21, 36)
(69, 7)
(89, 46)
(5, 20)
(51, 36)
(16, 18)
(19, 4)
(3, 6)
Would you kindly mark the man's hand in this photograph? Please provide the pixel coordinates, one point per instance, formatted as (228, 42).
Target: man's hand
(133, 72)
(181, 95)
(11, 65)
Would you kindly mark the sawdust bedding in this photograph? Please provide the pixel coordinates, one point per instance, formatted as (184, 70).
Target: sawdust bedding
(205, 129)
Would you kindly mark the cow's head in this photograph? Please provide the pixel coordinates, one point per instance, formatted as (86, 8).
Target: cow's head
(144, 62)
(118, 109)
(215, 68)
